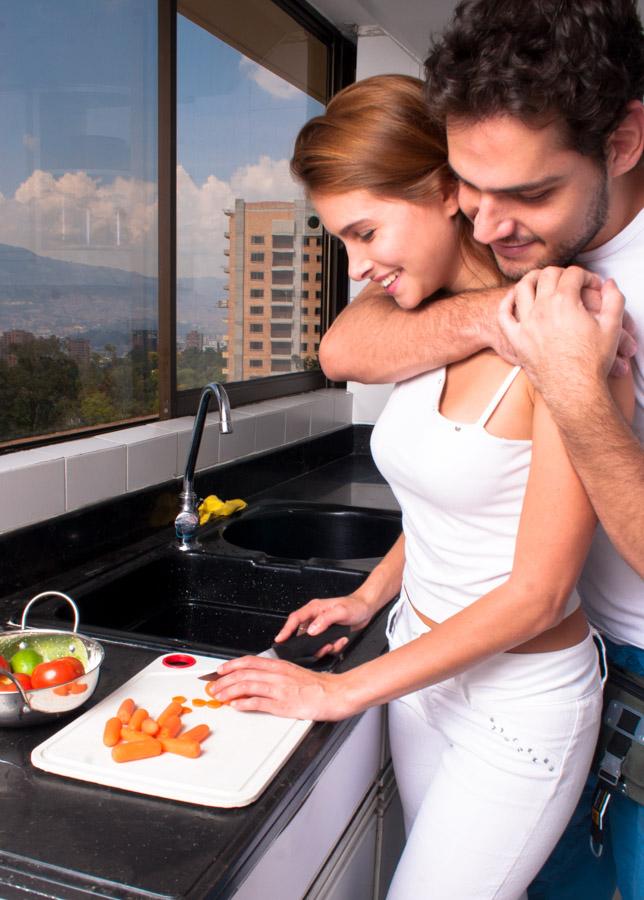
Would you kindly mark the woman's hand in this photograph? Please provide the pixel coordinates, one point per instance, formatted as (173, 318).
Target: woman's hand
(254, 683)
(317, 615)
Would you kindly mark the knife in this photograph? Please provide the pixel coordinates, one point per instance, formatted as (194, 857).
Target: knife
(300, 648)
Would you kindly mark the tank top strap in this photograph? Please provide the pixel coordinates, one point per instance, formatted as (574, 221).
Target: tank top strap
(500, 394)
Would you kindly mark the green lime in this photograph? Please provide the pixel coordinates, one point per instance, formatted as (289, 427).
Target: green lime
(25, 661)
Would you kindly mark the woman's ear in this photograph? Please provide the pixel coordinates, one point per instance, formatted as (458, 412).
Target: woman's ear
(449, 196)
(626, 143)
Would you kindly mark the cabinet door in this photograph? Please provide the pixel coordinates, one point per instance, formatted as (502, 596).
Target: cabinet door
(391, 833)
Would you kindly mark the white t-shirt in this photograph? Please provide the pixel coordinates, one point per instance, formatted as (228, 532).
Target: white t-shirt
(612, 592)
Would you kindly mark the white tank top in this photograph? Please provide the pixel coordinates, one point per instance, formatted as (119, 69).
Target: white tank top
(460, 489)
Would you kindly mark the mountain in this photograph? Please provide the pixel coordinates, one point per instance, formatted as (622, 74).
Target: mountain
(47, 295)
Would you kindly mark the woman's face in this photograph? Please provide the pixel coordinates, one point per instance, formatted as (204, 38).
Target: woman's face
(410, 249)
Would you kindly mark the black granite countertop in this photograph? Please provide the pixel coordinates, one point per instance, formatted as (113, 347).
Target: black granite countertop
(69, 839)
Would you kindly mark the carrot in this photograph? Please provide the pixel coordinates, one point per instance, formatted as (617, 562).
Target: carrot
(179, 699)
(172, 709)
(76, 687)
(125, 710)
(180, 746)
(112, 732)
(171, 727)
(214, 704)
(62, 690)
(149, 726)
(138, 717)
(199, 733)
(129, 734)
(131, 750)
(198, 702)
(185, 709)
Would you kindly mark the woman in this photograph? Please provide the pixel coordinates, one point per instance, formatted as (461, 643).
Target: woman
(492, 678)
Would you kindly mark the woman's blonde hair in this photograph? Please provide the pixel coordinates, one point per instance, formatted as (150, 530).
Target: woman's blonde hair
(376, 135)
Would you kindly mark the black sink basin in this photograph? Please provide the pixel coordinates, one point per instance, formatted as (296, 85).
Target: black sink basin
(310, 531)
(227, 606)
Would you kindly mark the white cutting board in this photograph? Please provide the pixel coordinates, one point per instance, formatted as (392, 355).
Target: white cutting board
(238, 759)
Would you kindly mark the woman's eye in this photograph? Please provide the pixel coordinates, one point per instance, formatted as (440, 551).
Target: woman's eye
(367, 235)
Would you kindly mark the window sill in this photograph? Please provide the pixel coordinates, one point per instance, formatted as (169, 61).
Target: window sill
(49, 481)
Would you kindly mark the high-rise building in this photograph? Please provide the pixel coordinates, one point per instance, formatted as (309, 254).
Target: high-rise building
(274, 288)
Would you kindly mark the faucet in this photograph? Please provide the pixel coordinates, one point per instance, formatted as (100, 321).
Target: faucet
(187, 522)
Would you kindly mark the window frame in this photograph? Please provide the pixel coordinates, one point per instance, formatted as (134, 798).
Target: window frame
(341, 71)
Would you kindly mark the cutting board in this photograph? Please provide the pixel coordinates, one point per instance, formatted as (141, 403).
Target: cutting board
(239, 758)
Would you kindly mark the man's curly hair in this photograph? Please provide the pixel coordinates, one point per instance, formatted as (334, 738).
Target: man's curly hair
(580, 61)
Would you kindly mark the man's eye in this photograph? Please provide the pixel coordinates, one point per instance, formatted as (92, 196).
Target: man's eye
(534, 198)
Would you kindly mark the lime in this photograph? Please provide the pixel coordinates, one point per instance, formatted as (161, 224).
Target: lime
(24, 661)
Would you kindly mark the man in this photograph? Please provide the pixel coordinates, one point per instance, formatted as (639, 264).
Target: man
(541, 101)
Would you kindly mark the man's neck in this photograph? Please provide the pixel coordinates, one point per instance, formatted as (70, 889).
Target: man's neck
(626, 201)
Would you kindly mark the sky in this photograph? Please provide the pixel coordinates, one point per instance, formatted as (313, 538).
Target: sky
(78, 102)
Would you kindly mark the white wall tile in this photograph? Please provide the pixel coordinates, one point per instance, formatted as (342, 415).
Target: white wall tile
(298, 421)
(270, 430)
(151, 454)
(95, 475)
(322, 412)
(31, 489)
(242, 440)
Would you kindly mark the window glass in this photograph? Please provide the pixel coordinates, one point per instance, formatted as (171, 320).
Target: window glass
(248, 78)
(78, 221)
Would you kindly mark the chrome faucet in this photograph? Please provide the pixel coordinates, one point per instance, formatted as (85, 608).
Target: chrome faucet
(187, 522)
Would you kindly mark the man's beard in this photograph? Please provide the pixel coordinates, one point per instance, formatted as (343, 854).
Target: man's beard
(565, 253)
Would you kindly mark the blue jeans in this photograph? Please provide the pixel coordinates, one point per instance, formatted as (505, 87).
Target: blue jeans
(572, 871)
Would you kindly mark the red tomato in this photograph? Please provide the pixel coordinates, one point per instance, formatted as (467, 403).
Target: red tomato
(57, 671)
(4, 664)
(79, 668)
(6, 684)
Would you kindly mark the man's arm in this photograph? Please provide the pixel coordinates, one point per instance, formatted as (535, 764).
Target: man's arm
(376, 342)
(567, 354)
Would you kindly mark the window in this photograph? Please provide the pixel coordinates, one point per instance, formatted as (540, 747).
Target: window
(256, 363)
(280, 330)
(280, 365)
(305, 295)
(318, 258)
(132, 205)
(305, 310)
(305, 276)
(257, 310)
(305, 257)
(304, 329)
(256, 293)
(305, 242)
(282, 294)
(316, 328)
(280, 348)
(282, 241)
(318, 295)
(283, 276)
(256, 345)
(281, 312)
(318, 310)
(282, 259)
(256, 328)
(304, 347)
(318, 276)
(318, 242)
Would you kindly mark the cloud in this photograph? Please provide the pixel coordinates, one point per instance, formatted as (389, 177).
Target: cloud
(77, 218)
(267, 81)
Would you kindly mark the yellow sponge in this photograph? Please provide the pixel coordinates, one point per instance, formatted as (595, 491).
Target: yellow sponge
(213, 506)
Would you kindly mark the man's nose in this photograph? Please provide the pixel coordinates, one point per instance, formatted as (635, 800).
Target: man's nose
(359, 266)
(491, 222)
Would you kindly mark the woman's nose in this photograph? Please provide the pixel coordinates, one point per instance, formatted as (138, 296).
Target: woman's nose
(359, 266)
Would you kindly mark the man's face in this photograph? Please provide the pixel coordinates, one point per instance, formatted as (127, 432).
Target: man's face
(535, 202)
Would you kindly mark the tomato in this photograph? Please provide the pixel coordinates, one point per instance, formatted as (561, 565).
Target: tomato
(25, 660)
(4, 664)
(79, 668)
(57, 671)
(6, 684)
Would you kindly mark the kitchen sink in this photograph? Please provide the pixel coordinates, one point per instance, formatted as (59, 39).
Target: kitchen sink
(310, 531)
(226, 606)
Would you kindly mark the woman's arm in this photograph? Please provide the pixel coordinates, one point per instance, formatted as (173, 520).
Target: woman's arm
(355, 609)
(555, 530)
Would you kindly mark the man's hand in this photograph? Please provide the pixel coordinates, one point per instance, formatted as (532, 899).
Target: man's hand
(566, 326)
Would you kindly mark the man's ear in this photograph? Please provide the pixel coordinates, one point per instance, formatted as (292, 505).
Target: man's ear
(626, 142)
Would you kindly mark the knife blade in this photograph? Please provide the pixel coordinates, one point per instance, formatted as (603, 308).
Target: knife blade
(300, 648)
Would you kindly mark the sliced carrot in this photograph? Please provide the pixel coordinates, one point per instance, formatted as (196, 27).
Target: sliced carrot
(62, 690)
(198, 702)
(149, 726)
(179, 699)
(185, 709)
(141, 749)
(76, 687)
(112, 732)
(172, 709)
(171, 727)
(138, 717)
(199, 733)
(214, 704)
(181, 747)
(129, 734)
(125, 710)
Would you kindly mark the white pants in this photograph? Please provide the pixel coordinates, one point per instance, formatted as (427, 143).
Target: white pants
(489, 766)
